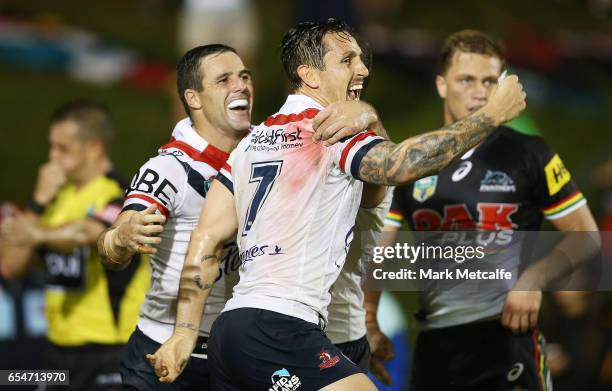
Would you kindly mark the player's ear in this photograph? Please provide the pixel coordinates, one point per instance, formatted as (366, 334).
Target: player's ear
(95, 149)
(441, 86)
(309, 76)
(192, 99)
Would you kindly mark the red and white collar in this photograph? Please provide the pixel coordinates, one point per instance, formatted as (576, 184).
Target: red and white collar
(187, 140)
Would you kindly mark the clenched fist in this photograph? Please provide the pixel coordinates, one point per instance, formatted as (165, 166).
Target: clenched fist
(507, 101)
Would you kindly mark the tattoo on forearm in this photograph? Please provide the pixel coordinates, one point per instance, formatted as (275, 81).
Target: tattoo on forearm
(198, 281)
(189, 326)
(419, 156)
(209, 256)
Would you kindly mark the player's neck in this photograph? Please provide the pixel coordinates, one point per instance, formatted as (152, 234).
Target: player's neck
(314, 94)
(225, 140)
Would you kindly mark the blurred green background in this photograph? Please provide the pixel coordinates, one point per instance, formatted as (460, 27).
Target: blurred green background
(408, 106)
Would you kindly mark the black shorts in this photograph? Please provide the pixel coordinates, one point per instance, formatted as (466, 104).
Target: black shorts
(480, 356)
(255, 349)
(91, 366)
(137, 373)
(358, 351)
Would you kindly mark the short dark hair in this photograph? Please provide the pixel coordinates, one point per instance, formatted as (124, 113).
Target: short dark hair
(92, 118)
(468, 41)
(303, 45)
(188, 73)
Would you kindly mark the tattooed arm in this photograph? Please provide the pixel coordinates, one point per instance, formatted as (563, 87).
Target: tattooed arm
(217, 225)
(419, 156)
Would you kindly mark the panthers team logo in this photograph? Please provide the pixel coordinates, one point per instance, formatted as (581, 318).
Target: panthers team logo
(497, 181)
(424, 188)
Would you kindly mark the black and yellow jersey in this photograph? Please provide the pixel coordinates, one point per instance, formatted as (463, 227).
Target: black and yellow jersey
(85, 302)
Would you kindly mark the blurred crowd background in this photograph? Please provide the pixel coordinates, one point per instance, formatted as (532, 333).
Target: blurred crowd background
(122, 53)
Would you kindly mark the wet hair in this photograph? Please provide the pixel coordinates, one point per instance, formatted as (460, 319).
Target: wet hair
(188, 73)
(468, 41)
(93, 120)
(303, 45)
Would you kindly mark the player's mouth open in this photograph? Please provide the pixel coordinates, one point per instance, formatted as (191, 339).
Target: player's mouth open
(239, 105)
(354, 92)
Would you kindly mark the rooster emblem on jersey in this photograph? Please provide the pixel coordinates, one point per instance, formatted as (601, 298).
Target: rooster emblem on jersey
(327, 361)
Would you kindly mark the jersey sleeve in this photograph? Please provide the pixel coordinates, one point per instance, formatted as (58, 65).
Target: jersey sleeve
(556, 194)
(157, 182)
(395, 217)
(225, 173)
(349, 152)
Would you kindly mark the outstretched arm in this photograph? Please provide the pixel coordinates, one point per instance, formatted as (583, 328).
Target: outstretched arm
(218, 224)
(395, 164)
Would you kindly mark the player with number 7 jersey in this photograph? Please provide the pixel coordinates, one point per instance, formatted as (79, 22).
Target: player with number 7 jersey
(296, 203)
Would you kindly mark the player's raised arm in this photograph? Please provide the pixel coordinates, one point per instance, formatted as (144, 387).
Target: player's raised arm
(217, 224)
(419, 156)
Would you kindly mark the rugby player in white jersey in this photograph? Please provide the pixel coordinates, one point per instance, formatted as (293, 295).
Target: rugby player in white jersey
(347, 327)
(295, 202)
(217, 93)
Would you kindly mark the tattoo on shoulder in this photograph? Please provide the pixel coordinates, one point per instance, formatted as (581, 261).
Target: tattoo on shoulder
(425, 154)
(189, 326)
(208, 256)
(198, 281)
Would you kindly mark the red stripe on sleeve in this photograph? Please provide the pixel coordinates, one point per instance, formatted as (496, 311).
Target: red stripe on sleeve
(350, 145)
(151, 200)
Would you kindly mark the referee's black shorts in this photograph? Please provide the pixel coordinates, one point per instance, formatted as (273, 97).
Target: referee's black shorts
(480, 356)
(255, 349)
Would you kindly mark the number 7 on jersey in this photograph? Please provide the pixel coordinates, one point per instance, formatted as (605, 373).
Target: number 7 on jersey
(264, 174)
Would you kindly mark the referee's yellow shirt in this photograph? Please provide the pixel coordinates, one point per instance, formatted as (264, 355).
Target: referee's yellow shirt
(85, 302)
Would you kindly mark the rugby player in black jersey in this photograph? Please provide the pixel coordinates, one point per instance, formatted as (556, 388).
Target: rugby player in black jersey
(487, 340)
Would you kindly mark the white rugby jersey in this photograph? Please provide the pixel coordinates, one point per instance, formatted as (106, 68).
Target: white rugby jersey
(177, 180)
(346, 320)
(296, 203)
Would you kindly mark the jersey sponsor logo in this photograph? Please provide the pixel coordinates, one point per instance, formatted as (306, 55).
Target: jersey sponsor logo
(495, 216)
(424, 188)
(173, 152)
(282, 380)
(491, 216)
(149, 182)
(556, 175)
(515, 372)
(462, 171)
(257, 251)
(327, 361)
(276, 139)
(497, 181)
